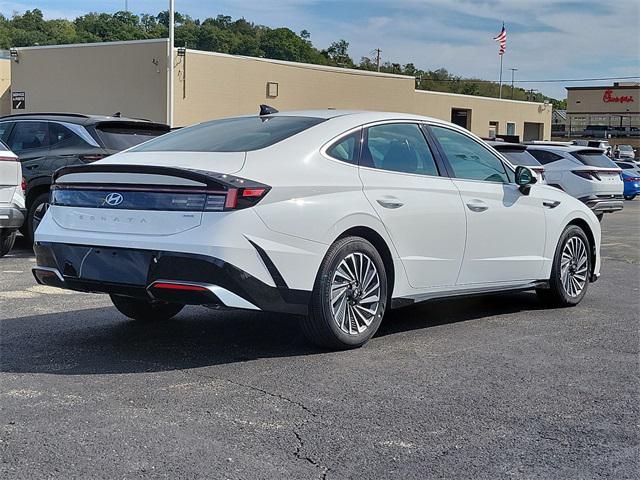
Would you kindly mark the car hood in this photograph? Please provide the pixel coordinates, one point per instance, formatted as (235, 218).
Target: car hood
(220, 162)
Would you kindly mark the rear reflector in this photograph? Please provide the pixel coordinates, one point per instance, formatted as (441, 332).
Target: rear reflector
(92, 157)
(179, 286)
(8, 159)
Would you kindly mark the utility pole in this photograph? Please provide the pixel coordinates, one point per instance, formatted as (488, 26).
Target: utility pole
(378, 51)
(170, 62)
(513, 70)
(126, 5)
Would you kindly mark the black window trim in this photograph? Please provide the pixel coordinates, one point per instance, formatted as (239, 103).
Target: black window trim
(11, 127)
(508, 166)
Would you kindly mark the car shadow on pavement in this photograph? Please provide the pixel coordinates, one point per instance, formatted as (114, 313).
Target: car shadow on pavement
(99, 340)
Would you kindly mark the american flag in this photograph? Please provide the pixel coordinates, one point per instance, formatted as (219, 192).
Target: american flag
(502, 38)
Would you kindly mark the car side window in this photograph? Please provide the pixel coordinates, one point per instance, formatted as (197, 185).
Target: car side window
(29, 135)
(398, 147)
(545, 157)
(61, 137)
(5, 129)
(469, 159)
(347, 148)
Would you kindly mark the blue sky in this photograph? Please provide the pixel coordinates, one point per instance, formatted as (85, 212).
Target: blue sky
(546, 38)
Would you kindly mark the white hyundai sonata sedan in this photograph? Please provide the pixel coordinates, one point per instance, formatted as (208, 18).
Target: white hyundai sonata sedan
(335, 216)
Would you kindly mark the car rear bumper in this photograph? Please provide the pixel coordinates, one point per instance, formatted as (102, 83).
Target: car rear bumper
(11, 216)
(604, 203)
(185, 278)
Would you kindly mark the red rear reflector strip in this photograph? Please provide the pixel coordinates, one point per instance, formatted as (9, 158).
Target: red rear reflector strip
(179, 286)
(8, 159)
(253, 192)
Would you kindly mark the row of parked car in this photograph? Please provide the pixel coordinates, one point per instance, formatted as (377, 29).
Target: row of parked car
(42, 143)
(34, 146)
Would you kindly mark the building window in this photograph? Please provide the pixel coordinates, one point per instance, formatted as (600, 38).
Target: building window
(511, 128)
(494, 129)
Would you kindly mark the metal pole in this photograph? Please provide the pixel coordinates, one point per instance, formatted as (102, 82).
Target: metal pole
(513, 70)
(170, 62)
(501, 75)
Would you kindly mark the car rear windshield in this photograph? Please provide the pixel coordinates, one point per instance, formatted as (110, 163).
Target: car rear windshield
(519, 156)
(594, 159)
(231, 135)
(120, 136)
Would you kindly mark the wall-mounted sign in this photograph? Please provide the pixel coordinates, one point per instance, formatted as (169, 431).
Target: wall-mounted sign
(18, 100)
(608, 97)
(272, 89)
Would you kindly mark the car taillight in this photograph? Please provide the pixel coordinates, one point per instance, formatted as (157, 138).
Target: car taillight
(236, 199)
(589, 175)
(631, 179)
(24, 184)
(92, 157)
(8, 159)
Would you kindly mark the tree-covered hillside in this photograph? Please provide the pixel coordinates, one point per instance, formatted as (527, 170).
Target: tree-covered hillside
(225, 35)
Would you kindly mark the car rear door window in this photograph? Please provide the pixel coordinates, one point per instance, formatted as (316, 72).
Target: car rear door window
(545, 157)
(519, 157)
(469, 159)
(27, 135)
(398, 147)
(347, 149)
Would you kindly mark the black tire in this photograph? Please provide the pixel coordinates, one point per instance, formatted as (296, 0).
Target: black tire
(7, 240)
(145, 310)
(319, 326)
(556, 294)
(36, 210)
(629, 197)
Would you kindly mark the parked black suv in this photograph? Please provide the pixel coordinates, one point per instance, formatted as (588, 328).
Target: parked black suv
(45, 142)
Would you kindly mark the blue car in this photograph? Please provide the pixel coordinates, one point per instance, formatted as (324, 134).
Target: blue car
(631, 179)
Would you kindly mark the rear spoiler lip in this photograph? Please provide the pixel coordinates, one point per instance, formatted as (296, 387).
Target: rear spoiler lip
(213, 180)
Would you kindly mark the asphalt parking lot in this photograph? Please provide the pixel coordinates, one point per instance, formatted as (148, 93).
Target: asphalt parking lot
(492, 387)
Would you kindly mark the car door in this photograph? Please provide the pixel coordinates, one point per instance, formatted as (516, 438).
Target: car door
(506, 229)
(29, 140)
(420, 209)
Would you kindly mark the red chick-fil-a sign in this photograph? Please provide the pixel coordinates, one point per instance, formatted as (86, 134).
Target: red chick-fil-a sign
(609, 98)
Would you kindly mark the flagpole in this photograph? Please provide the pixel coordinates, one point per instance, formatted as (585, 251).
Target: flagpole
(501, 55)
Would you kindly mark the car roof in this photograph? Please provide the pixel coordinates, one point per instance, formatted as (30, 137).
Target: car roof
(564, 148)
(79, 118)
(506, 145)
(361, 115)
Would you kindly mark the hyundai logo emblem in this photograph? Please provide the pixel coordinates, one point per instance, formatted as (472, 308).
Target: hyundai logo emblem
(113, 199)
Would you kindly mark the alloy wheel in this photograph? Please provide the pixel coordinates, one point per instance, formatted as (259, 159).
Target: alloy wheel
(573, 266)
(355, 293)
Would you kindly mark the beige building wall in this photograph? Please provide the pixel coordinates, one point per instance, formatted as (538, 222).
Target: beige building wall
(101, 78)
(131, 77)
(219, 85)
(485, 110)
(5, 86)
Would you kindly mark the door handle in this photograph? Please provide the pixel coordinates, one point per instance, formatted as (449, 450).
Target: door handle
(392, 204)
(477, 206)
(551, 203)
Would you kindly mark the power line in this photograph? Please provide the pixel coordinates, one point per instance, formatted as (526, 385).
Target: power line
(559, 80)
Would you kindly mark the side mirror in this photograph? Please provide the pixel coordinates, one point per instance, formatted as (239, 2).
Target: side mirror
(525, 178)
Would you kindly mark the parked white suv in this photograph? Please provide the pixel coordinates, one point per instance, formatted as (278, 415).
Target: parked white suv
(331, 215)
(583, 172)
(11, 198)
